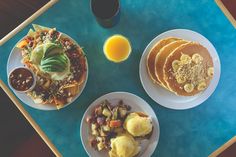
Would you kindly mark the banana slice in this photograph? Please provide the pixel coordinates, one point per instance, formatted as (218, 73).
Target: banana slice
(188, 87)
(197, 58)
(201, 86)
(175, 65)
(210, 71)
(180, 79)
(185, 58)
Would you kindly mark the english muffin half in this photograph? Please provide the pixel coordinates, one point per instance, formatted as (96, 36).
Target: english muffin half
(161, 58)
(150, 62)
(188, 70)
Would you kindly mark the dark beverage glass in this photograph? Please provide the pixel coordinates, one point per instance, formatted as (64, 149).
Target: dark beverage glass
(107, 12)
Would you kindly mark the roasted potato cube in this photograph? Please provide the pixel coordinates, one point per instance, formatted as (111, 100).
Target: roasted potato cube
(106, 128)
(100, 146)
(100, 139)
(94, 129)
(122, 112)
(102, 133)
(106, 112)
(94, 126)
(95, 132)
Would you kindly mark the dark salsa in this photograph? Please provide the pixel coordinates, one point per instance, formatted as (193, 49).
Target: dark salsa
(21, 79)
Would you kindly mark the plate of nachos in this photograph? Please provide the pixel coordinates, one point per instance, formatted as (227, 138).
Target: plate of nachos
(59, 66)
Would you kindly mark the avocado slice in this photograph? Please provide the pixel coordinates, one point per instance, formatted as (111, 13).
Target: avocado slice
(44, 51)
(52, 49)
(56, 63)
(55, 60)
(37, 54)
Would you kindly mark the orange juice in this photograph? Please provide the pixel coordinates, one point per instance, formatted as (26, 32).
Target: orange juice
(117, 48)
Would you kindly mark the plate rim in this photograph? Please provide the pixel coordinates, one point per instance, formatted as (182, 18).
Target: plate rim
(153, 42)
(47, 107)
(127, 94)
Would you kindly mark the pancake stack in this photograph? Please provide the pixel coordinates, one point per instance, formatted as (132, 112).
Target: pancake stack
(182, 67)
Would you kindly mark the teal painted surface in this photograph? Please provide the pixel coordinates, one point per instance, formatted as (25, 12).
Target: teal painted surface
(189, 133)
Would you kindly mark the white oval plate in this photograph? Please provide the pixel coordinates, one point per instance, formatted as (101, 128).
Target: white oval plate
(137, 104)
(14, 61)
(166, 98)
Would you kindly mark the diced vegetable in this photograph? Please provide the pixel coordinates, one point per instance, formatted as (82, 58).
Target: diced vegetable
(115, 123)
(107, 123)
(22, 44)
(94, 126)
(100, 146)
(122, 112)
(106, 128)
(106, 112)
(100, 139)
(100, 120)
(95, 132)
(115, 113)
(102, 133)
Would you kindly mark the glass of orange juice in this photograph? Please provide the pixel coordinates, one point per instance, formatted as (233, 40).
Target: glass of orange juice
(117, 48)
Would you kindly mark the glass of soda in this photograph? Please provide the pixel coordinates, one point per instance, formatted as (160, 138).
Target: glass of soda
(107, 12)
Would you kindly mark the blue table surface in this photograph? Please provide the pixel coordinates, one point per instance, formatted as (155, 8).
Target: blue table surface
(195, 132)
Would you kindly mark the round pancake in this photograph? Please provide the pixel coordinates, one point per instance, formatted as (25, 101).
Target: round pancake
(150, 62)
(161, 58)
(188, 69)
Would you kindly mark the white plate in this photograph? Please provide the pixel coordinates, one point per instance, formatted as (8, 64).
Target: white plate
(137, 104)
(14, 61)
(166, 98)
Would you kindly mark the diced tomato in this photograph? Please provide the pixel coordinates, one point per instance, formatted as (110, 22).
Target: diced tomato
(115, 123)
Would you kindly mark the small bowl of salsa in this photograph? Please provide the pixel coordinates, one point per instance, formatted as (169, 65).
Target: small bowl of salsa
(22, 79)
